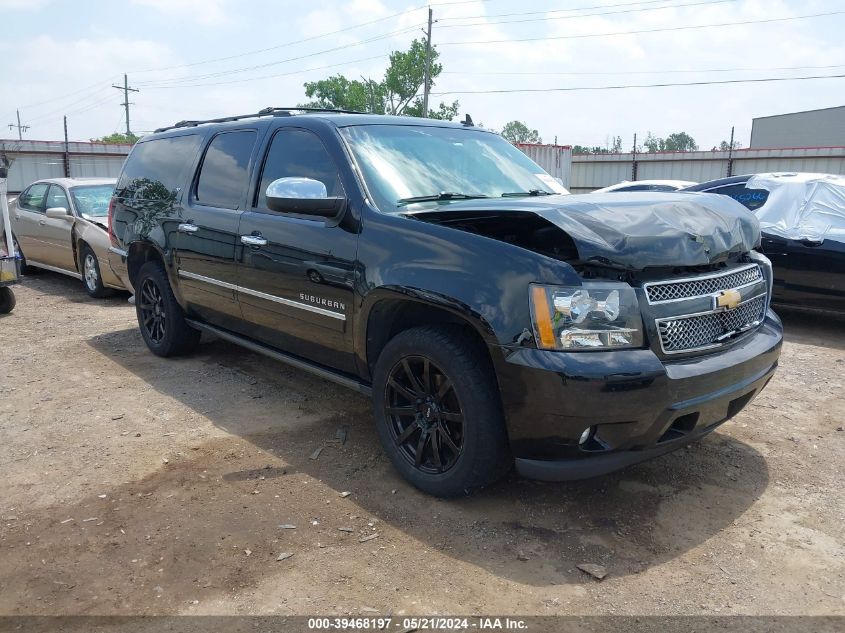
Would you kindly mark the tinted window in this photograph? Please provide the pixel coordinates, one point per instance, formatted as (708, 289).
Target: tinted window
(33, 198)
(57, 198)
(751, 198)
(155, 170)
(298, 153)
(224, 175)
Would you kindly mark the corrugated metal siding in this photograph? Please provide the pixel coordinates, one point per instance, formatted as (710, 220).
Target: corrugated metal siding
(34, 160)
(593, 171)
(555, 159)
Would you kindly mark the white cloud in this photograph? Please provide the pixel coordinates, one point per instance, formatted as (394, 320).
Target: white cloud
(206, 12)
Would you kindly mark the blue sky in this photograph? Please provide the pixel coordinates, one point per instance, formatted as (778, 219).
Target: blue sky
(61, 57)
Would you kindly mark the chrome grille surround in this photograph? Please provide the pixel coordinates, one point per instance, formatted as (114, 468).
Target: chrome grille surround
(677, 289)
(704, 330)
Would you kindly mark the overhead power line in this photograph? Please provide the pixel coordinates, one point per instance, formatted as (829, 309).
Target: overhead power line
(620, 87)
(637, 72)
(641, 31)
(223, 73)
(551, 11)
(585, 15)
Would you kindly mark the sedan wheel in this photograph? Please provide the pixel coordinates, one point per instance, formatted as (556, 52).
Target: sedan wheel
(91, 273)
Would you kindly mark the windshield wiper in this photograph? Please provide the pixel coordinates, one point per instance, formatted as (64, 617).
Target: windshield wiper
(530, 192)
(443, 195)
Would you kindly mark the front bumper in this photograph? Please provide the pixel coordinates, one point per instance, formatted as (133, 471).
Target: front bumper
(640, 406)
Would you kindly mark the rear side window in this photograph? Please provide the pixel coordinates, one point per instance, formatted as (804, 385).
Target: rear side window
(33, 198)
(751, 198)
(156, 170)
(224, 174)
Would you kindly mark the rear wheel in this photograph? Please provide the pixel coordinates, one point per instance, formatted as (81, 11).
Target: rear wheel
(91, 277)
(438, 411)
(7, 300)
(160, 317)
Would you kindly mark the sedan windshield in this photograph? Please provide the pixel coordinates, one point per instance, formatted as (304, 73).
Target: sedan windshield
(410, 166)
(92, 200)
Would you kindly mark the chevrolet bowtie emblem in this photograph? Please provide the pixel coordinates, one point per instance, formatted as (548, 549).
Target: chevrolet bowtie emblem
(728, 299)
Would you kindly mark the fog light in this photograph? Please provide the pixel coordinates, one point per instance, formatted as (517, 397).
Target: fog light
(586, 435)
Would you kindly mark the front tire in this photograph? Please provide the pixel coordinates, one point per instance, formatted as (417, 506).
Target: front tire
(438, 411)
(7, 300)
(160, 316)
(91, 277)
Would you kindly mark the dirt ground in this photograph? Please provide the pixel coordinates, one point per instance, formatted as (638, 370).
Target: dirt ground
(131, 484)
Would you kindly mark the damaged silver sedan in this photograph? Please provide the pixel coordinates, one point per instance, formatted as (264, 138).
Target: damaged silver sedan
(61, 224)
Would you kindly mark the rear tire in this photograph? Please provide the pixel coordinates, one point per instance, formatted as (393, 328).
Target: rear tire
(7, 300)
(438, 411)
(91, 278)
(160, 316)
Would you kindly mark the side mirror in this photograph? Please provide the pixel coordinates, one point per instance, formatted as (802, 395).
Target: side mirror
(58, 213)
(304, 196)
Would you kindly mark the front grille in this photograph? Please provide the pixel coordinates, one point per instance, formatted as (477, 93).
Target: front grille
(700, 331)
(658, 292)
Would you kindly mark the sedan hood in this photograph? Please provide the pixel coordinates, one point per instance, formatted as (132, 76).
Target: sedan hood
(624, 230)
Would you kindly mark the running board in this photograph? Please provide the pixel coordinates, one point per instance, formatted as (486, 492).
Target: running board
(293, 361)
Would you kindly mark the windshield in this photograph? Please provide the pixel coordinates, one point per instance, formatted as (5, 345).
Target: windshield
(403, 162)
(92, 200)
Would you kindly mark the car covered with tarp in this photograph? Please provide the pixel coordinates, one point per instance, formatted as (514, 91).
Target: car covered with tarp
(802, 220)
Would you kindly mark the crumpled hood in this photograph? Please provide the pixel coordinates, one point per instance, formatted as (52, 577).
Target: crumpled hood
(635, 230)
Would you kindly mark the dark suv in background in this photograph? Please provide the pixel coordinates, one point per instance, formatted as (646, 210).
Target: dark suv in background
(433, 266)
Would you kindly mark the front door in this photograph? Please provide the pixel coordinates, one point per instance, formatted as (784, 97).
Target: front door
(56, 233)
(207, 235)
(296, 278)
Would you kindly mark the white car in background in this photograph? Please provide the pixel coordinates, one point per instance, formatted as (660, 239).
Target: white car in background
(646, 185)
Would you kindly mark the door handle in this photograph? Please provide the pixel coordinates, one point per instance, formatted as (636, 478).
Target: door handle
(253, 240)
(42, 222)
(187, 227)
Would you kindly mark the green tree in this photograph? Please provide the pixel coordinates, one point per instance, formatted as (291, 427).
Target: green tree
(117, 139)
(518, 132)
(675, 142)
(398, 92)
(724, 146)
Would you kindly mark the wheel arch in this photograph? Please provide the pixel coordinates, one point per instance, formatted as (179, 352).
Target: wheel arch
(392, 311)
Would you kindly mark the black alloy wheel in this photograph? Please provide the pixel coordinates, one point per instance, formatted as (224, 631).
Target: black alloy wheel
(426, 419)
(438, 411)
(152, 312)
(160, 317)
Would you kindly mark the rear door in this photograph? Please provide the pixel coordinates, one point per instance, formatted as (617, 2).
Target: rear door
(296, 274)
(55, 233)
(207, 237)
(27, 219)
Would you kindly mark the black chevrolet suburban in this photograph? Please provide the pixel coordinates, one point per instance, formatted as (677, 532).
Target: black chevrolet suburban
(493, 319)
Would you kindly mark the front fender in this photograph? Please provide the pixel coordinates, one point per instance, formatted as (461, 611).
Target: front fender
(483, 280)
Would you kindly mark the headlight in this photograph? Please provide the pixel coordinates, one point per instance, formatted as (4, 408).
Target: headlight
(589, 317)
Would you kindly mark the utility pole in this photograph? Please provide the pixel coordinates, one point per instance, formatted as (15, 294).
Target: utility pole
(731, 154)
(21, 128)
(427, 86)
(67, 152)
(126, 90)
(634, 159)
